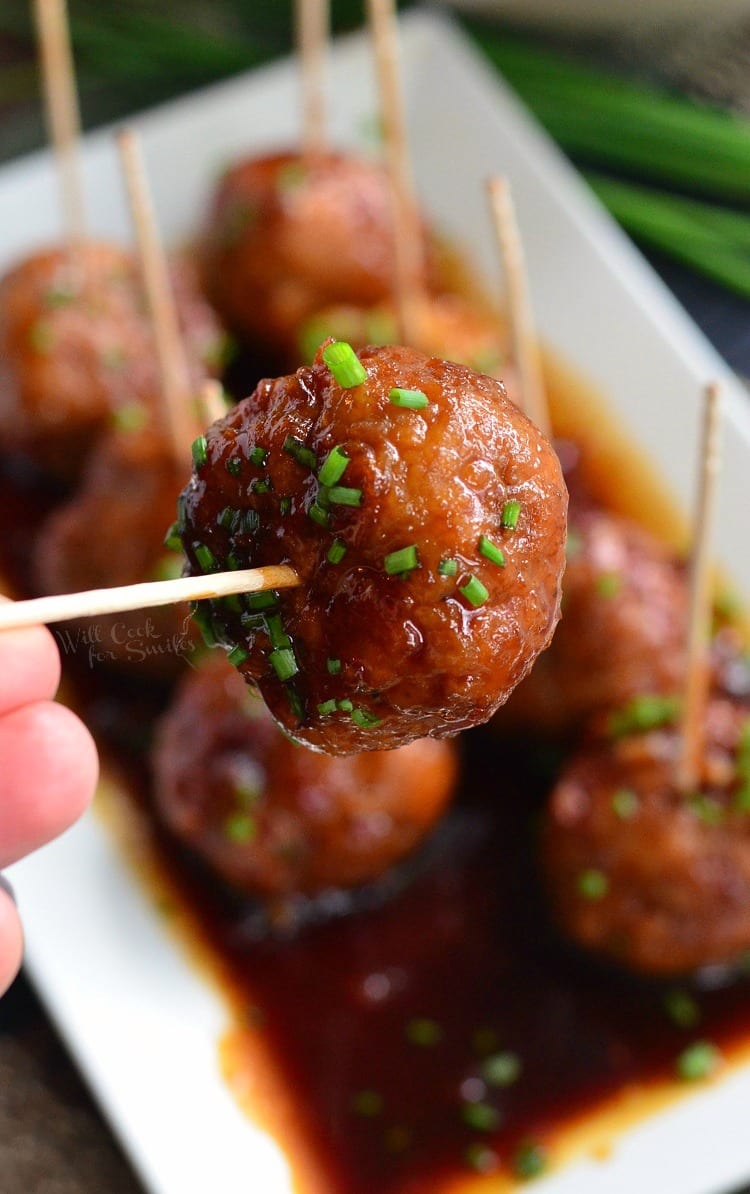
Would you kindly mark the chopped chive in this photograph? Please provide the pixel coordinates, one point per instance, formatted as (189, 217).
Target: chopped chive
(406, 559)
(167, 568)
(650, 711)
(491, 552)
(131, 416)
(336, 552)
(346, 368)
(229, 518)
(280, 640)
(367, 1103)
(409, 399)
(264, 485)
(327, 707)
(231, 602)
(423, 1032)
(509, 516)
(297, 707)
(530, 1160)
(232, 562)
(681, 1008)
(249, 522)
(333, 667)
(285, 506)
(173, 538)
(340, 496)
(345, 706)
(625, 803)
(205, 557)
(593, 884)
(198, 449)
(265, 600)
(258, 456)
(480, 1117)
(501, 1069)
(299, 451)
(283, 663)
(201, 614)
(237, 656)
(699, 1060)
(318, 515)
(447, 567)
(240, 827)
(364, 719)
(233, 466)
(474, 592)
(608, 584)
(333, 467)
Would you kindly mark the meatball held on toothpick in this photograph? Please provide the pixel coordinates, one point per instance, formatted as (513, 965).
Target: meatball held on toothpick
(425, 516)
(272, 818)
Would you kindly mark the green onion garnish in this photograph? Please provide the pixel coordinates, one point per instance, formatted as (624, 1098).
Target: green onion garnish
(234, 466)
(509, 516)
(447, 567)
(283, 663)
(501, 1069)
(423, 1032)
(203, 619)
(346, 368)
(530, 1160)
(491, 551)
(364, 720)
(706, 809)
(230, 519)
(650, 711)
(285, 506)
(318, 515)
(265, 600)
(300, 452)
(625, 804)
(681, 1008)
(264, 485)
(258, 456)
(403, 560)
(480, 1117)
(249, 522)
(336, 552)
(474, 592)
(237, 656)
(340, 496)
(240, 827)
(205, 557)
(326, 708)
(409, 399)
(232, 562)
(173, 538)
(333, 666)
(593, 884)
(699, 1060)
(345, 706)
(198, 449)
(333, 467)
(297, 707)
(276, 632)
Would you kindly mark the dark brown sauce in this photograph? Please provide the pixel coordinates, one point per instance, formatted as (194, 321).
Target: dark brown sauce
(460, 940)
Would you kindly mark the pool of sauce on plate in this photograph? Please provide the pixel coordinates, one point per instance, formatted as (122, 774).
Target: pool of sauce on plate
(380, 1014)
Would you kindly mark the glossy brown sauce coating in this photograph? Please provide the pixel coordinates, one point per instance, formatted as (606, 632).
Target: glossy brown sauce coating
(409, 654)
(284, 238)
(76, 348)
(671, 870)
(112, 533)
(271, 817)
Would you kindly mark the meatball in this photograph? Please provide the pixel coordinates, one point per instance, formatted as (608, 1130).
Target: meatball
(76, 348)
(112, 533)
(285, 238)
(425, 516)
(449, 328)
(271, 817)
(622, 631)
(653, 878)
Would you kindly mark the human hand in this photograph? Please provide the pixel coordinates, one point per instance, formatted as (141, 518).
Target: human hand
(48, 766)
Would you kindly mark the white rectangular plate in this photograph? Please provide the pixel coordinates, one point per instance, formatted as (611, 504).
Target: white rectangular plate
(142, 1024)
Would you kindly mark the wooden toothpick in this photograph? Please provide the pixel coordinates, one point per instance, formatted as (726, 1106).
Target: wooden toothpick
(697, 678)
(408, 235)
(178, 420)
(524, 342)
(94, 602)
(313, 29)
(61, 106)
(212, 404)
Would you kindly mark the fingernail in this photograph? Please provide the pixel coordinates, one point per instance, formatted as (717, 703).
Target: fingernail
(6, 887)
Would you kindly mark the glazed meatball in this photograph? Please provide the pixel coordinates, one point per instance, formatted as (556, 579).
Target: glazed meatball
(449, 328)
(76, 348)
(655, 879)
(112, 533)
(622, 630)
(425, 516)
(285, 238)
(274, 818)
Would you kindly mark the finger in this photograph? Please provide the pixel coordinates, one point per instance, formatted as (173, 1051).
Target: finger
(29, 667)
(49, 772)
(11, 942)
